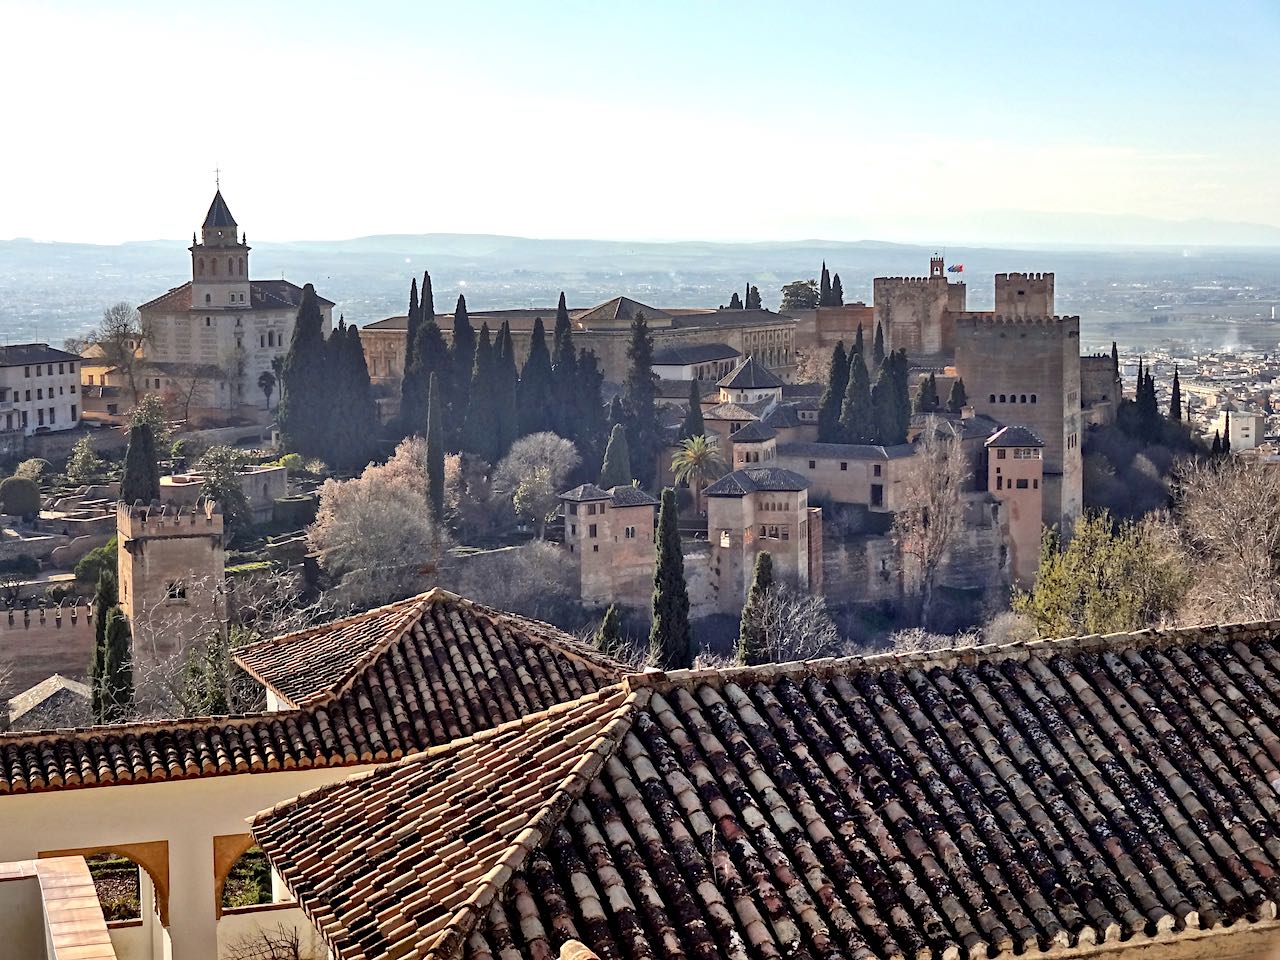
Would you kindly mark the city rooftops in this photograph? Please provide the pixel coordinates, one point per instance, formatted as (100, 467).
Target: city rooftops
(1014, 436)
(751, 374)
(740, 483)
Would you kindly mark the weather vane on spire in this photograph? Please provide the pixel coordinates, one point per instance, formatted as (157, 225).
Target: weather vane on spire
(217, 177)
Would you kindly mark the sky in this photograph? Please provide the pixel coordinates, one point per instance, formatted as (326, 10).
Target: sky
(693, 119)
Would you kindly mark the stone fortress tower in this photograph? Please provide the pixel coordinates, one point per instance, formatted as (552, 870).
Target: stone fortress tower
(915, 312)
(172, 566)
(220, 262)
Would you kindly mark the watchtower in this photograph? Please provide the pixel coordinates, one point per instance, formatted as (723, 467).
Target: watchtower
(172, 566)
(609, 534)
(1024, 294)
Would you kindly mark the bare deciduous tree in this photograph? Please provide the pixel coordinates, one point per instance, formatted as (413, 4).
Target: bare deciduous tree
(120, 336)
(930, 505)
(533, 475)
(535, 580)
(186, 381)
(376, 532)
(279, 943)
(1226, 520)
(796, 626)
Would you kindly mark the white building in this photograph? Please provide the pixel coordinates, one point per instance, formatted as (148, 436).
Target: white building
(1246, 430)
(221, 320)
(39, 388)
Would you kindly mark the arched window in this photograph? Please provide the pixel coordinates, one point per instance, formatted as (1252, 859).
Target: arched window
(1024, 398)
(1002, 398)
(207, 299)
(213, 266)
(993, 398)
(231, 266)
(242, 266)
(1033, 398)
(200, 266)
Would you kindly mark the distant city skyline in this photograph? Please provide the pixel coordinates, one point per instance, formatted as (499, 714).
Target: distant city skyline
(981, 122)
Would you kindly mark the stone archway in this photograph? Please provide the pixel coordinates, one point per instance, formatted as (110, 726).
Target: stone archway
(227, 851)
(152, 856)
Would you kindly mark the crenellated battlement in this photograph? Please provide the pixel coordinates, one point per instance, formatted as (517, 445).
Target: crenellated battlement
(906, 281)
(980, 319)
(156, 519)
(1018, 277)
(72, 613)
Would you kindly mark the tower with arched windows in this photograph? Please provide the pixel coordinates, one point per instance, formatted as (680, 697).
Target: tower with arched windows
(220, 262)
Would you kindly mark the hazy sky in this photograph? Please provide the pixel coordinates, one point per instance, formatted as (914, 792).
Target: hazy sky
(642, 120)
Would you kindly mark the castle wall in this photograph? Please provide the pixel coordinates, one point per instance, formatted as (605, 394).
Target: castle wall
(914, 313)
(1026, 371)
(1100, 388)
(35, 644)
(844, 479)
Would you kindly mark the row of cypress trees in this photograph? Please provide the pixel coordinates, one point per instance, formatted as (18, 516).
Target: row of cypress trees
(830, 289)
(487, 400)
(750, 299)
(326, 405)
(111, 670)
(856, 410)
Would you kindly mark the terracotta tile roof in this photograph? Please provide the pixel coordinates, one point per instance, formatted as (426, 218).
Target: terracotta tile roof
(405, 896)
(739, 483)
(979, 802)
(446, 668)
(619, 309)
(750, 374)
(263, 295)
(683, 355)
(1014, 437)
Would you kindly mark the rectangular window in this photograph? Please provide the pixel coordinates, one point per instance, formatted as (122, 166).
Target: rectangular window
(24, 419)
(877, 494)
(813, 464)
(786, 533)
(591, 531)
(73, 411)
(73, 388)
(60, 367)
(595, 548)
(630, 533)
(28, 396)
(1035, 484)
(61, 391)
(875, 470)
(26, 371)
(1001, 454)
(71, 367)
(40, 417)
(37, 369)
(573, 509)
(53, 415)
(1021, 484)
(844, 464)
(999, 483)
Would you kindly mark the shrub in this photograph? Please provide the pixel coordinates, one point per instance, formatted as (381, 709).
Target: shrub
(32, 469)
(292, 462)
(95, 561)
(20, 495)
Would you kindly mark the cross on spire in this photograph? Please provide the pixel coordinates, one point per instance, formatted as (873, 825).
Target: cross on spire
(217, 177)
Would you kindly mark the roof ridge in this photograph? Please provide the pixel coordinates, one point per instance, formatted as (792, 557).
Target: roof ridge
(539, 826)
(945, 658)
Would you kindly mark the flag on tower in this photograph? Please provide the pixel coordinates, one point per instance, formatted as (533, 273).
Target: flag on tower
(956, 268)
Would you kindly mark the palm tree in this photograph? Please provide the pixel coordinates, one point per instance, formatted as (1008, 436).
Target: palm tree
(267, 384)
(698, 463)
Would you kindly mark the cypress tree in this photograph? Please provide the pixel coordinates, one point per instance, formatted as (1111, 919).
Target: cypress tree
(462, 357)
(957, 400)
(506, 383)
(304, 409)
(434, 433)
(693, 425)
(639, 393)
(1175, 401)
(355, 423)
(877, 348)
(564, 371)
(480, 425)
(902, 395)
(105, 597)
(590, 427)
(431, 356)
(616, 470)
(735, 302)
(824, 287)
(927, 395)
(412, 321)
(670, 639)
(833, 396)
(141, 478)
(752, 643)
(857, 422)
(1226, 436)
(1115, 360)
(1216, 449)
(837, 291)
(117, 686)
(608, 636)
(883, 406)
(535, 384)
(753, 298)
(858, 346)
(617, 412)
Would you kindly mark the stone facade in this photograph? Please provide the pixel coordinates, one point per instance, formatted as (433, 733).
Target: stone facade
(39, 389)
(1101, 389)
(609, 535)
(172, 565)
(1015, 474)
(1025, 371)
(917, 313)
(37, 643)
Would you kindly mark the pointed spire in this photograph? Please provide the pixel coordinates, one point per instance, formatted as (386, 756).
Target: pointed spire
(219, 214)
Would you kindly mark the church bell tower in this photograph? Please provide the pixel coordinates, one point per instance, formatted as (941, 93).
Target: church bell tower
(219, 262)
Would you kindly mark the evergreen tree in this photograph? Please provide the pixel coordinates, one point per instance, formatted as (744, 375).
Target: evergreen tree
(480, 426)
(616, 470)
(958, 398)
(590, 425)
(304, 410)
(693, 425)
(141, 478)
(105, 597)
(608, 636)
(564, 372)
(462, 359)
(927, 400)
(884, 412)
(877, 348)
(617, 412)
(735, 302)
(506, 385)
(1226, 436)
(753, 298)
(837, 291)
(1216, 449)
(833, 396)
(413, 320)
(752, 643)
(117, 685)
(670, 639)
(858, 346)
(857, 420)
(434, 433)
(1115, 360)
(430, 357)
(639, 393)
(1175, 401)
(355, 422)
(535, 384)
(824, 287)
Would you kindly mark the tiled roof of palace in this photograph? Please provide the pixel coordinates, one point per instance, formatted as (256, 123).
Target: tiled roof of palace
(750, 374)
(374, 687)
(754, 432)
(681, 355)
(619, 308)
(846, 451)
(263, 295)
(739, 483)
(1014, 437)
(991, 801)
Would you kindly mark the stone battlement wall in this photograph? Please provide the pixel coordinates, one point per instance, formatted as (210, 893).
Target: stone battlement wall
(168, 520)
(975, 319)
(37, 643)
(1016, 277)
